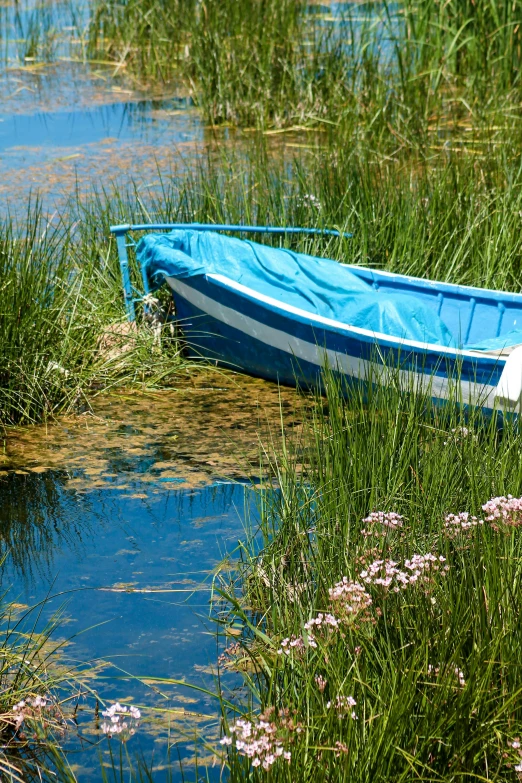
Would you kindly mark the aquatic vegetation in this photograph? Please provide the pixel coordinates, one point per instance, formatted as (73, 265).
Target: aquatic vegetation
(35, 688)
(63, 324)
(264, 740)
(503, 512)
(409, 660)
(419, 68)
(58, 306)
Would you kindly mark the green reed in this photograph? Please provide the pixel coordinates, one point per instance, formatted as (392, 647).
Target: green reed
(456, 218)
(63, 330)
(432, 666)
(36, 340)
(281, 62)
(36, 686)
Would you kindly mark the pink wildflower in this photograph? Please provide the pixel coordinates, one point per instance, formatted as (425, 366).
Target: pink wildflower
(386, 574)
(296, 644)
(37, 708)
(259, 740)
(459, 434)
(462, 522)
(459, 674)
(350, 600)
(327, 620)
(343, 705)
(515, 744)
(321, 683)
(121, 721)
(379, 522)
(421, 567)
(504, 512)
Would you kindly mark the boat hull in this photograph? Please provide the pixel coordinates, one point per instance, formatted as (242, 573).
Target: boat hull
(266, 339)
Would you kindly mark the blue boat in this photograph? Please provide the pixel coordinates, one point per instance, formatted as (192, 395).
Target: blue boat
(281, 315)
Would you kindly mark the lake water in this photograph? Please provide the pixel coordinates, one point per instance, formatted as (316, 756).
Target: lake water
(66, 126)
(125, 514)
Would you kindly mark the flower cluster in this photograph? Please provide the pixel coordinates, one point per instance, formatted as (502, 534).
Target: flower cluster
(326, 620)
(121, 721)
(459, 674)
(380, 522)
(39, 708)
(229, 654)
(421, 567)
(296, 644)
(459, 434)
(261, 740)
(517, 748)
(350, 600)
(503, 512)
(458, 523)
(343, 705)
(321, 683)
(309, 200)
(385, 573)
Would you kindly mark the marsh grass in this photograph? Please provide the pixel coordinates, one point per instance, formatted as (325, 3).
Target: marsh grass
(454, 219)
(35, 688)
(433, 668)
(415, 66)
(63, 331)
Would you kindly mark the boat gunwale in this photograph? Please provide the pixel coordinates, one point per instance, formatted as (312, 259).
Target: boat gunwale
(394, 342)
(453, 288)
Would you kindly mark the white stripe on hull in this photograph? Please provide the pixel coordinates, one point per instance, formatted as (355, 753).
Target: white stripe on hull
(355, 367)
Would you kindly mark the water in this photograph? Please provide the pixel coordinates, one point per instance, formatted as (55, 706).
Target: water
(121, 519)
(149, 122)
(127, 513)
(65, 128)
(66, 125)
(134, 568)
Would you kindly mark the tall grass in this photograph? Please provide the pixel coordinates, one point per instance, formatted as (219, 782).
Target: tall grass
(432, 666)
(63, 330)
(60, 289)
(279, 62)
(35, 687)
(36, 339)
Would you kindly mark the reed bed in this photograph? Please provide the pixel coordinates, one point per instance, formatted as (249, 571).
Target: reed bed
(37, 688)
(378, 594)
(280, 62)
(63, 330)
(378, 597)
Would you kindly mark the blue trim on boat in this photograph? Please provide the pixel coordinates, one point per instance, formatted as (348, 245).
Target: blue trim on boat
(218, 340)
(247, 331)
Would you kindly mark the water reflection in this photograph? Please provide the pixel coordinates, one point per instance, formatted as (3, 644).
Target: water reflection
(136, 570)
(37, 518)
(111, 511)
(149, 121)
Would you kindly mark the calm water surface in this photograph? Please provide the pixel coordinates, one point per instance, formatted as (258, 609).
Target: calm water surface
(67, 125)
(127, 514)
(120, 518)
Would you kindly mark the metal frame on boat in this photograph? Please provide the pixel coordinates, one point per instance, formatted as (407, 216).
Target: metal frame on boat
(251, 332)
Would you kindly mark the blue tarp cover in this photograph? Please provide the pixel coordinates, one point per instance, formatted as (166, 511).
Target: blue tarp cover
(317, 285)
